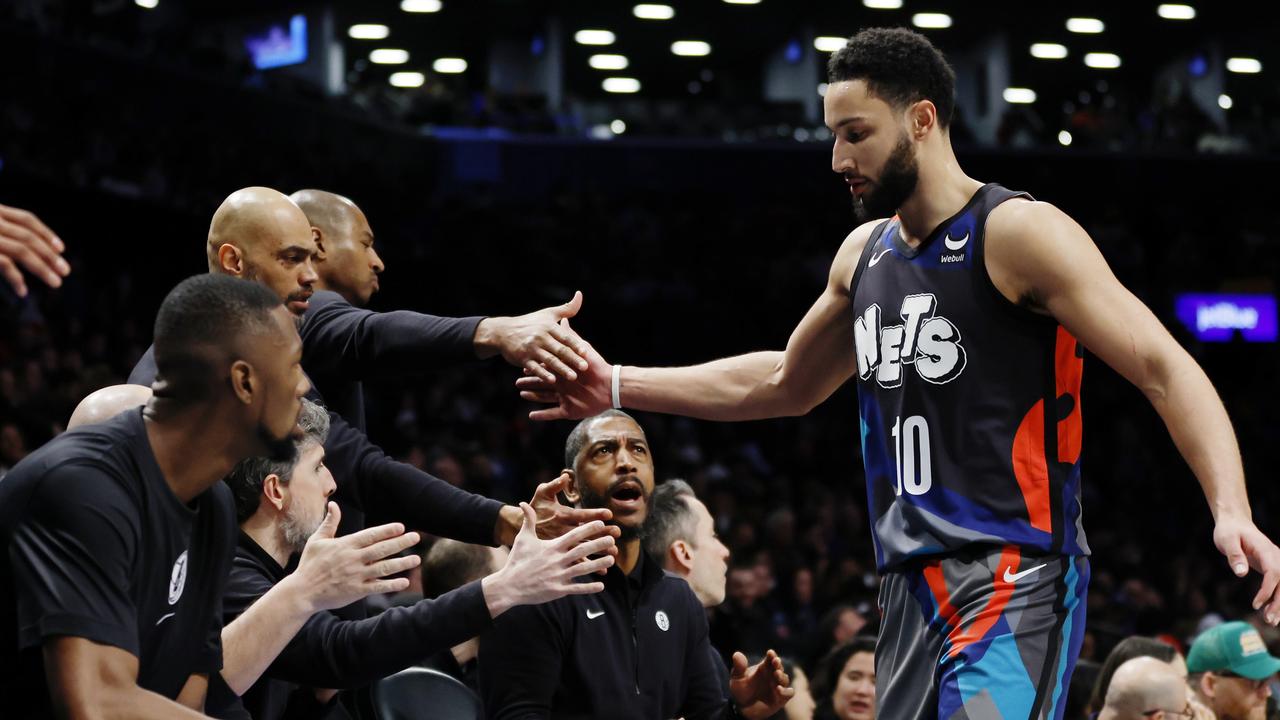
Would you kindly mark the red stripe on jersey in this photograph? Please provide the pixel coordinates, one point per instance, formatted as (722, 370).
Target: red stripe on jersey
(987, 617)
(1067, 372)
(941, 596)
(1030, 468)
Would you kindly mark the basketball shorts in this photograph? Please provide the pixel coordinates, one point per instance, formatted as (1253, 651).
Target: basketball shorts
(985, 634)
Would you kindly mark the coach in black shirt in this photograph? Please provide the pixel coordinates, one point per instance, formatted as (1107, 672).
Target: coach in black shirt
(116, 538)
(637, 650)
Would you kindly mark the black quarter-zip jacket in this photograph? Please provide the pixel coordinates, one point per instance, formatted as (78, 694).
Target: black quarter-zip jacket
(638, 650)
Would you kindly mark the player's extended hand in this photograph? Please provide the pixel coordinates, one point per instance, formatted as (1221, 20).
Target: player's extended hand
(591, 394)
(554, 517)
(538, 341)
(539, 571)
(334, 572)
(760, 690)
(1246, 547)
(26, 241)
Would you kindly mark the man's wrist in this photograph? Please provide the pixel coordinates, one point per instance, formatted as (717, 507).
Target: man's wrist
(510, 520)
(498, 596)
(487, 340)
(297, 595)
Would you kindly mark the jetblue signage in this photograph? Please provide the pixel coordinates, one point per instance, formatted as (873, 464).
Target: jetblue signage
(279, 45)
(1217, 317)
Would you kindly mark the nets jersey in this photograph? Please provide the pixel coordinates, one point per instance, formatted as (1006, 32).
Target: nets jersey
(969, 404)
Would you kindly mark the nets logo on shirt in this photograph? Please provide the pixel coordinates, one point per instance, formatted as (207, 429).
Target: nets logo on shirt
(178, 578)
(929, 342)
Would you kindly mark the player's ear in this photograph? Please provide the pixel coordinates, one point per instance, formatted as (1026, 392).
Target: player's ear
(318, 236)
(243, 382)
(231, 260)
(681, 555)
(571, 492)
(273, 491)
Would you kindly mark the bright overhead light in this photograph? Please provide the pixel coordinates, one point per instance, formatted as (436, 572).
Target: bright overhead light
(1104, 61)
(1019, 96)
(1176, 12)
(1048, 51)
(1064, 138)
(368, 31)
(882, 4)
(822, 89)
(621, 85)
(1245, 65)
(148, 4)
(608, 62)
(617, 127)
(654, 12)
(594, 37)
(931, 21)
(690, 48)
(829, 43)
(449, 66)
(1085, 26)
(743, 2)
(420, 6)
(1225, 102)
(389, 56)
(408, 79)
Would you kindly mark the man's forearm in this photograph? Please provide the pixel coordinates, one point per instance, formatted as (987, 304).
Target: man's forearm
(133, 703)
(745, 387)
(253, 640)
(1201, 430)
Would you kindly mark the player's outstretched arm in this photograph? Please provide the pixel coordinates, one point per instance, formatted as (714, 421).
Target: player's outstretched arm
(90, 680)
(818, 359)
(25, 242)
(332, 572)
(1040, 256)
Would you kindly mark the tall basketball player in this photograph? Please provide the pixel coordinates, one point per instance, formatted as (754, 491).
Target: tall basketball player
(963, 317)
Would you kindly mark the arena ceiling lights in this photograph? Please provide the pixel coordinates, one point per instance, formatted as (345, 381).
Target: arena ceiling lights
(449, 66)
(594, 37)
(1102, 60)
(1048, 51)
(408, 79)
(1176, 12)
(420, 6)
(882, 4)
(368, 31)
(608, 62)
(1244, 65)
(147, 4)
(743, 2)
(931, 21)
(389, 56)
(691, 48)
(654, 12)
(1085, 26)
(1225, 102)
(829, 43)
(1019, 96)
(624, 85)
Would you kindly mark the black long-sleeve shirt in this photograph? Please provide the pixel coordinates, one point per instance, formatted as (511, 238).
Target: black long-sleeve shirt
(329, 652)
(638, 650)
(343, 345)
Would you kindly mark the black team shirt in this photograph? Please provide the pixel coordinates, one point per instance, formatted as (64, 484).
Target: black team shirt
(94, 544)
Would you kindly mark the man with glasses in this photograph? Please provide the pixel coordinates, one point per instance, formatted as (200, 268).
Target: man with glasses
(1145, 688)
(1229, 670)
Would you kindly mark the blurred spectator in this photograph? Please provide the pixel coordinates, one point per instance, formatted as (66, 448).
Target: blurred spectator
(1146, 688)
(1229, 668)
(844, 685)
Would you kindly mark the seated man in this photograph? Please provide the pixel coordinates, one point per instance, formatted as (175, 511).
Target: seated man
(637, 650)
(279, 504)
(1229, 667)
(1145, 688)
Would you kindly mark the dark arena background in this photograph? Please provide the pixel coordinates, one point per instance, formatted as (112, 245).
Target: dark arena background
(698, 214)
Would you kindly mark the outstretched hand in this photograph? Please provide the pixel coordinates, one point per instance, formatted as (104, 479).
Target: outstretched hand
(760, 690)
(590, 394)
(540, 341)
(334, 572)
(539, 571)
(1246, 547)
(27, 242)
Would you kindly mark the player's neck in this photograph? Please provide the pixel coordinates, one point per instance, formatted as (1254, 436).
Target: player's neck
(266, 532)
(628, 556)
(191, 456)
(941, 191)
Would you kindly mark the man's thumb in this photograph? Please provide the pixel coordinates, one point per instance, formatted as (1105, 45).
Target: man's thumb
(530, 518)
(739, 664)
(329, 526)
(572, 307)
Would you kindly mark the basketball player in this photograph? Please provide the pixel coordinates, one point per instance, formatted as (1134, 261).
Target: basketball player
(963, 317)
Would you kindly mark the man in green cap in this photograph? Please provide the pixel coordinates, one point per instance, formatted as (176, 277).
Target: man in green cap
(1228, 667)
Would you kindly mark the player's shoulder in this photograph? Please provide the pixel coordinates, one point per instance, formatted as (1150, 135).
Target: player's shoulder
(850, 251)
(1021, 217)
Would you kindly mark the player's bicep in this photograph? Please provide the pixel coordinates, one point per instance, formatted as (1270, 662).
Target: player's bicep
(80, 673)
(193, 693)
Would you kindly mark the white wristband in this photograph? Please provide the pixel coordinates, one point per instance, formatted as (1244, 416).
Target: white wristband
(617, 386)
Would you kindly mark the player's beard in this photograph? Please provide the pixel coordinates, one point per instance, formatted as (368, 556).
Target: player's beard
(589, 499)
(297, 527)
(897, 182)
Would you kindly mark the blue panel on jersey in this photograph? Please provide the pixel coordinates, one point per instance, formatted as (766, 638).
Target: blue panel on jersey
(878, 465)
(953, 248)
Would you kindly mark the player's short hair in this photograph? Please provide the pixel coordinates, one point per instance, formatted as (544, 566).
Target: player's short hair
(450, 564)
(247, 476)
(669, 519)
(197, 330)
(578, 437)
(900, 66)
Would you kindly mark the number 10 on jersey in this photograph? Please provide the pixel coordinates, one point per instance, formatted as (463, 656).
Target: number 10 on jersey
(911, 441)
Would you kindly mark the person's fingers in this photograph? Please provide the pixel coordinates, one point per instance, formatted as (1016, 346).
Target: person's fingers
(572, 307)
(542, 397)
(389, 547)
(35, 254)
(554, 364)
(1236, 557)
(555, 413)
(591, 547)
(1268, 587)
(29, 220)
(534, 382)
(536, 369)
(378, 533)
(596, 565)
(577, 347)
(582, 588)
(566, 352)
(382, 587)
(13, 276)
(577, 516)
(579, 534)
(739, 668)
(530, 525)
(329, 525)
(393, 566)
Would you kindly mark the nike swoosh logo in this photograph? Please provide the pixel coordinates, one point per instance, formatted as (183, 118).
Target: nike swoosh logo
(594, 615)
(956, 245)
(876, 258)
(164, 617)
(1015, 577)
